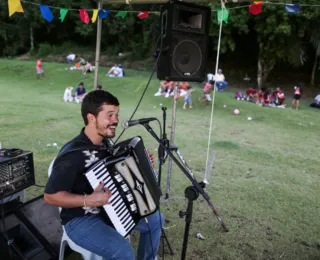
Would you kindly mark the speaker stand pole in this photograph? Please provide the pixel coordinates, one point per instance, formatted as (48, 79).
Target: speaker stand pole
(173, 127)
(161, 154)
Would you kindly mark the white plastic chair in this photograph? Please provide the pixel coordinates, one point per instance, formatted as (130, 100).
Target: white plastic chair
(65, 240)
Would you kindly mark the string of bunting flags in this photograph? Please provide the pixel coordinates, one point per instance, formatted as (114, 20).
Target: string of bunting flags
(255, 8)
(15, 6)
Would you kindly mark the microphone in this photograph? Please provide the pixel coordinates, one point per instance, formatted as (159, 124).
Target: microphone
(128, 123)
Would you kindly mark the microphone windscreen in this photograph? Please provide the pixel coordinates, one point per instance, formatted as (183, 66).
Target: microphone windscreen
(125, 124)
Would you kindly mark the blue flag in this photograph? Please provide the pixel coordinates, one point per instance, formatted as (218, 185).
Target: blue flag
(103, 13)
(292, 8)
(46, 13)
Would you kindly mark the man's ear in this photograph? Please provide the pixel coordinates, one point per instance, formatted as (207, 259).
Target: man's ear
(91, 118)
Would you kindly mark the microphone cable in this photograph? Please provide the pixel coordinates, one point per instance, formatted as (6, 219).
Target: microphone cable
(150, 236)
(146, 87)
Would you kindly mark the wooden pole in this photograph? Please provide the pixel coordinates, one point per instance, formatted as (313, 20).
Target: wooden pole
(173, 128)
(98, 46)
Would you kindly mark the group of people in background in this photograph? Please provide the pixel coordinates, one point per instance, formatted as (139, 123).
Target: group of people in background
(184, 91)
(86, 67)
(78, 95)
(166, 89)
(263, 96)
(266, 97)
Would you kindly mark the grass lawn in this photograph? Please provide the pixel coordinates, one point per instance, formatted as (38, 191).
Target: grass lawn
(266, 178)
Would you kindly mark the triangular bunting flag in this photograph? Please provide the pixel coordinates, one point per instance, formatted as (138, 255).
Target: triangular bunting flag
(143, 15)
(103, 13)
(63, 13)
(84, 16)
(223, 15)
(94, 15)
(14, 7)
(255, 8)
(121, 14)
(46, 13)
(292, 8)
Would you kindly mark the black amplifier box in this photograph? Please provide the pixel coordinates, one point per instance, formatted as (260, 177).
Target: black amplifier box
(16, 173)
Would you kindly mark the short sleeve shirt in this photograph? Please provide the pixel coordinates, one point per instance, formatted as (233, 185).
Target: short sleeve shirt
(68, 175)
(80, 91)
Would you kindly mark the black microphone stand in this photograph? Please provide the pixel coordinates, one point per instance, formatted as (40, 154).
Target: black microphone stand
(191, 194)
(165, 142)
(161, 154)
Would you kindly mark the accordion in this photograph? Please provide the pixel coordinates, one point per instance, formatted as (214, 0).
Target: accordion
(129, 175)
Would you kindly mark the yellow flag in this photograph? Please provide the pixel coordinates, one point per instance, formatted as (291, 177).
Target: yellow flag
(14, 6)
(94, 15)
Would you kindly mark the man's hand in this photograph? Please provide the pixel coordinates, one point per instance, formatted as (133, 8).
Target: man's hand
(99, 197)
(151, 157)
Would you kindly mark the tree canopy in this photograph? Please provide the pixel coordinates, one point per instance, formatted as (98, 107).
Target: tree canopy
(274, 36)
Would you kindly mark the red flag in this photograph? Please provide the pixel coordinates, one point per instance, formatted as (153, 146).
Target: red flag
(84, 16)
(255, 8)
(143, 15)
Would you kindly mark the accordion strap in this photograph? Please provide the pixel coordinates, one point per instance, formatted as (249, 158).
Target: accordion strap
(78, 145)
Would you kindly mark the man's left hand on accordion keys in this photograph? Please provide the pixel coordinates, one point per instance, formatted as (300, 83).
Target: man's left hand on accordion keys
(151, 157)
(99, 197)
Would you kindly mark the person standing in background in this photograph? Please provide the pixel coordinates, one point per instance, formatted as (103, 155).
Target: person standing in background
(39, 69)
(297, 95)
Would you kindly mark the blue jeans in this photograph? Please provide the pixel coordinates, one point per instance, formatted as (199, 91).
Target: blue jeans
(221, 85)
(92, 233)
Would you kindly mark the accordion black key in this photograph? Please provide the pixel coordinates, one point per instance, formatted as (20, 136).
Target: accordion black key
(129, 174)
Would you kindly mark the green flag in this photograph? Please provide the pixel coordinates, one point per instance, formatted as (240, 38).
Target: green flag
(223, 15)
(121, 14)
(63, 13)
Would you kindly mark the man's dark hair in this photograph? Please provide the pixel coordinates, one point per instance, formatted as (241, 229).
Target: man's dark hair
(99, 87)
(81, 84)
(93, 102)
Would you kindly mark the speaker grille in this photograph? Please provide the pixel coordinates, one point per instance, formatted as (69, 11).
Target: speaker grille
(187, 58)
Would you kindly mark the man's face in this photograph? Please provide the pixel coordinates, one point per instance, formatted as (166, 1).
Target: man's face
(278, 89)
(81, 86)
(107, 121)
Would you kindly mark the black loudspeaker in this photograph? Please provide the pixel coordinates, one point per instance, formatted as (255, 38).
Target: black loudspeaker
(184, 40)
(32, 232)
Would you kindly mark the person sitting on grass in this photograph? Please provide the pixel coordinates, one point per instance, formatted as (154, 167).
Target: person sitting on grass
(278, 97)
(252, 95)
(80, 93)
(267, 97)
(39, 69)
(317, 103)
(260, 99)
(82, 61)
(166, 87)
(87, 68)
(206, 98)
(115, 71)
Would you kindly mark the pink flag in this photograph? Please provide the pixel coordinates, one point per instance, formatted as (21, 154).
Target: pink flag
(84, 16)
(143, 15)
(255, 8)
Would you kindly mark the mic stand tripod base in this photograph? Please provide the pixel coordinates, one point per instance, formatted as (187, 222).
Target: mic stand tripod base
(191, 194)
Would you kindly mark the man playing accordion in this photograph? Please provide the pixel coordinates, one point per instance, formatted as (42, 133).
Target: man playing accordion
(69, 189)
